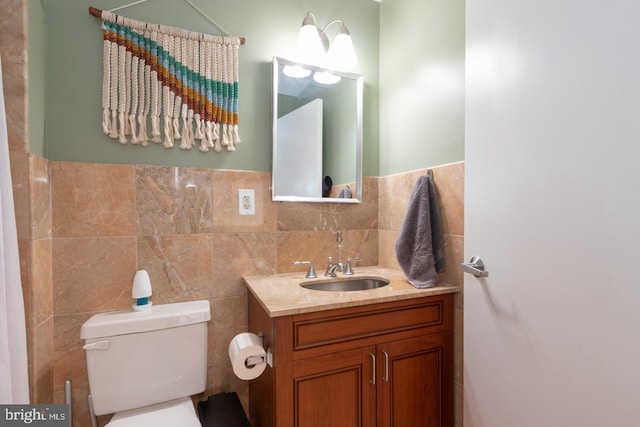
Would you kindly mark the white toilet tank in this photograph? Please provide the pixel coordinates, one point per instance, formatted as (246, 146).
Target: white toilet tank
(141, 358)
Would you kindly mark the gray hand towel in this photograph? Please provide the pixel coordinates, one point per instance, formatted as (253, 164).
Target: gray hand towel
(345, 193)
(420, 244)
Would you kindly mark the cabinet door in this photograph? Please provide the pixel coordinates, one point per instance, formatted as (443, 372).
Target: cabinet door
(415, 382)
(335, 390)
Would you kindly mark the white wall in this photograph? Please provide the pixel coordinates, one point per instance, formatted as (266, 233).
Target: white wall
(552, 201)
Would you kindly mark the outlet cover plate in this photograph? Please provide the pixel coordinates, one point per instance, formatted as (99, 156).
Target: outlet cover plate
(246, 202)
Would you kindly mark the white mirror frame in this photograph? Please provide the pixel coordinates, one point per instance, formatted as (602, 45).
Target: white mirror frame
(358, 79)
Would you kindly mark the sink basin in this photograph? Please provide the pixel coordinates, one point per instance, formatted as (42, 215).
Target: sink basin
(345, 285)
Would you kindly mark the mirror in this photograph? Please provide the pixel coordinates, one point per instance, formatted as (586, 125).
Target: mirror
(317, 135)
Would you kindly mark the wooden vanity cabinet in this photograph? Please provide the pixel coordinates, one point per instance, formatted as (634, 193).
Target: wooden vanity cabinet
(387, 364)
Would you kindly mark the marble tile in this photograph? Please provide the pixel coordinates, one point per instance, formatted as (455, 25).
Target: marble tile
(360, 243)
(331, 216)
(226, 218)
(228, 318)
(240, 254)
(307, 216)
(14, 73)
(458, 366)
(180, 266)
(42, 370)
(91, 199)
(453, 254)
(70, 361)
(363, 215)
(19, 164)
(40, 197)
(449, 181)
(41, 288)
(387, 250)
(92, 274)
(295, 246)
(394, 192)
(24, 253)
(173, 200)
(13, 25)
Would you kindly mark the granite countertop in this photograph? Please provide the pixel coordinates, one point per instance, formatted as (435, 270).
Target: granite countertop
(282, 295)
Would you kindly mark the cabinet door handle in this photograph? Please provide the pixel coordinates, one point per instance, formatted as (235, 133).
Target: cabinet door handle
(372, 381)
(386, 367)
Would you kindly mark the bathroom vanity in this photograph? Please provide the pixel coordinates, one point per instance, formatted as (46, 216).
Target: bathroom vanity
(379, 357)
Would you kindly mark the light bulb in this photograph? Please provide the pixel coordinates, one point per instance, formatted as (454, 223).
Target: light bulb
(296, 71)
(309, 49)
(342, 55)
(326, 78)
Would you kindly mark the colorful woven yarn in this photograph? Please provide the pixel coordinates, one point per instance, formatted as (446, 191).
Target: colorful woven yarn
(154, 72)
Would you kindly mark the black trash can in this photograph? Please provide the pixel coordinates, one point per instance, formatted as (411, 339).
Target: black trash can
(222, 410)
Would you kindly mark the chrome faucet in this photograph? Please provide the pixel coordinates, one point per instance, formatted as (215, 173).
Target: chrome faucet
(348, 270)
(311, 273)
(331, 268)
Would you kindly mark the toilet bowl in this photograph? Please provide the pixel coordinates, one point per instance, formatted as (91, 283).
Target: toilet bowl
(179, 412)
(144, 366)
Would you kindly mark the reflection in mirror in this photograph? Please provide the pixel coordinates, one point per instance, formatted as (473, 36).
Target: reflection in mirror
(317, 134)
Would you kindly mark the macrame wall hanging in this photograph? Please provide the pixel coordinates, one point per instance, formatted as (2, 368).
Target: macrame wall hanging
(166, 84)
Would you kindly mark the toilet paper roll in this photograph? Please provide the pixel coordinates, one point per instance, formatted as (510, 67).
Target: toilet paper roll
(242, 347)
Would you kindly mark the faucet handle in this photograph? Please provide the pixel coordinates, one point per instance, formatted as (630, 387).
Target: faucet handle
(348, 270)
(311, 272)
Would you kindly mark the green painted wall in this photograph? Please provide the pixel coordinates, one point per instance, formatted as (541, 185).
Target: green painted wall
(36, 77)
(411, 54)
(421, 84)
(74, 74)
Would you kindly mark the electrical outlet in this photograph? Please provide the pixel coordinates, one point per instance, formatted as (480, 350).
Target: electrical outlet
(246, 202)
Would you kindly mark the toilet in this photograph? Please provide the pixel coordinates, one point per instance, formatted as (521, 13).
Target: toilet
(144, 366)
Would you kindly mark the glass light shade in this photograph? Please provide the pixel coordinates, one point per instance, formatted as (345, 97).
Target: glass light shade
(342, 55)
(309, 49)
(295, 71)
(326, 78)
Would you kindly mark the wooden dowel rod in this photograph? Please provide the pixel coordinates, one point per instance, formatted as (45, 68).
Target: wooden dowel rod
(98, 14)
(95, 12)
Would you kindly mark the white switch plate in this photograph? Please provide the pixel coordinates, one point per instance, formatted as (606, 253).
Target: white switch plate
(246, 202)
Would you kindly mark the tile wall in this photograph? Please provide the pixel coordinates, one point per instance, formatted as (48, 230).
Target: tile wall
(182, 226)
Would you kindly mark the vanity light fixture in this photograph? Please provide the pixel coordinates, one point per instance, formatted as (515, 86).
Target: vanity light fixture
(314, 48)
(326, 77)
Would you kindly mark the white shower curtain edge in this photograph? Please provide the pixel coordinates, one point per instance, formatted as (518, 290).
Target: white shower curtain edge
(14, 378)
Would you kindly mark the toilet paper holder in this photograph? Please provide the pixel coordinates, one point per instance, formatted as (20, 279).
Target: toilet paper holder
(260, 358)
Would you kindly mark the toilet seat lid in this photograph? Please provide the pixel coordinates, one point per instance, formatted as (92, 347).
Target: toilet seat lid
(170, 414)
